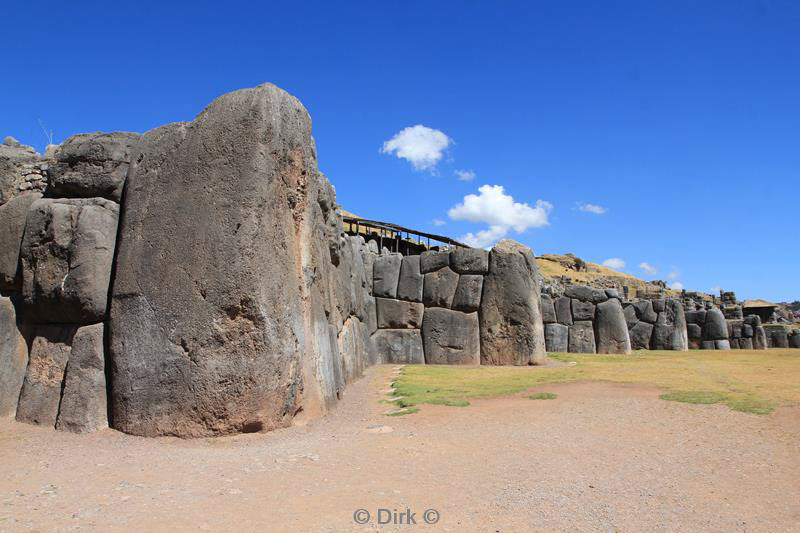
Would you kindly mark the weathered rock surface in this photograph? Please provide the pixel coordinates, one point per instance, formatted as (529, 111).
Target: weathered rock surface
(399, 346)
(581, 337)
(777, 337)
(644, 311)
(409, 286)
(548, 309)
(451, 337)
(440, 288)
(556, 337)
(41, 390)
(641, 334)
(397, 314)
(759, 338)
(715, 327)
(582, 310)
(386, 275)
(564, 310)
(431, 261)
(511, 326)
(794, 339)
(12, 221)
(21, 170)
(611, 330)
(746, 343)
(215, 319)
(722, 344)
(91, 165)
(630, 315)
(468, 293)
(694, 331)
(83, 401)
(13, 358)
(469, 261)
(66, 257)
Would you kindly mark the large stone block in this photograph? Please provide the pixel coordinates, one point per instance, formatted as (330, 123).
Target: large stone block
(696, 317)
(777, 337)
(66, 259)
(579, 292)
(13, 358)
(659, 305)
(440, 288)
(794, 339)
(12, 221)
(694, 331)
(641, 334)
(556, 337)
(468, 293)
(398, 346)
(409, 286)
(715, 327)
(611, 330)
(511, 325)
(431, 261)
(746, 343)
(386, 275)
(469, 261)
(581, 337)
(371, 308)
(759, 338)
(451, 337)
(224, 283)
(645, 311)
(41, 390)
(84, 405)
(630, 315)
(91, 165)
(548, 309)
(564, 310)
(582, 310)
(397, 314)
(722, 344)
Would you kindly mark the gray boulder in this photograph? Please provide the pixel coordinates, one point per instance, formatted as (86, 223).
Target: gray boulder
(409, 286)
(746, 343)
(84, 406)
(397, 314)
(715, 327)
(511, 326)
(468, 293)
(708, 345)
(91, 165)
(659, 305)
(548, 309)
(556, 337)
(645, 311)
(66, 258)
(451, 337)
(386, 275)
(777, 337)
(579, 292)
(469, 261)
(747, 330)
(41, 389)
(630, 315)
(641, 334)
(13, 358)
(694, 331)
(696, 317)
(611, 330)
(431, 261)
(439, 288)
(398, 346)
(371, 309)
(564, 310)
(12, 219)
(224, 280)
(759, 338)
(794, 339)
(722, 344)
(581, 337)
(582, 310)
(662, 337)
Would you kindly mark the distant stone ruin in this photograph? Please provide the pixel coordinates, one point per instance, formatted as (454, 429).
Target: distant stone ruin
(197, 280)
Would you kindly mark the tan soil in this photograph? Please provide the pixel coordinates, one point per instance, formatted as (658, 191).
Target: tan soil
(601, 457)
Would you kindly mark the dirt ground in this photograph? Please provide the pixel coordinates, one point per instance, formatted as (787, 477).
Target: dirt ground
(601, 457)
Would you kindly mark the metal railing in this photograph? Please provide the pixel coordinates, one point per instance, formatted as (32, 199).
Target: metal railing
(392, 234)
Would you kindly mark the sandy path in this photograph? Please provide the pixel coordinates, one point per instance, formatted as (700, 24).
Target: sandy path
(601, 457)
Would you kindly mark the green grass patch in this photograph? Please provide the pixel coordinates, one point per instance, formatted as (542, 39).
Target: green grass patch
(755, 381)
(543, 396)
(405, 411)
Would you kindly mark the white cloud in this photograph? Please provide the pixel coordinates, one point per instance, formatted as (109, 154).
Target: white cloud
(673, 274)
(465, 175)
(678, 286)
(421, 146)
(438, 222)
(614, 262)
(648, 269)
(499, 210)
(593, 208)
(716, 289)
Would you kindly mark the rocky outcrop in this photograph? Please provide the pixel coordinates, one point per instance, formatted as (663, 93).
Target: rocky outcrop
(22, 171)
(13, 215)
(511, 329)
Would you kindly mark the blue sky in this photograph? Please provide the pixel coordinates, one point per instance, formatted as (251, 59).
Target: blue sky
(679, 120)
